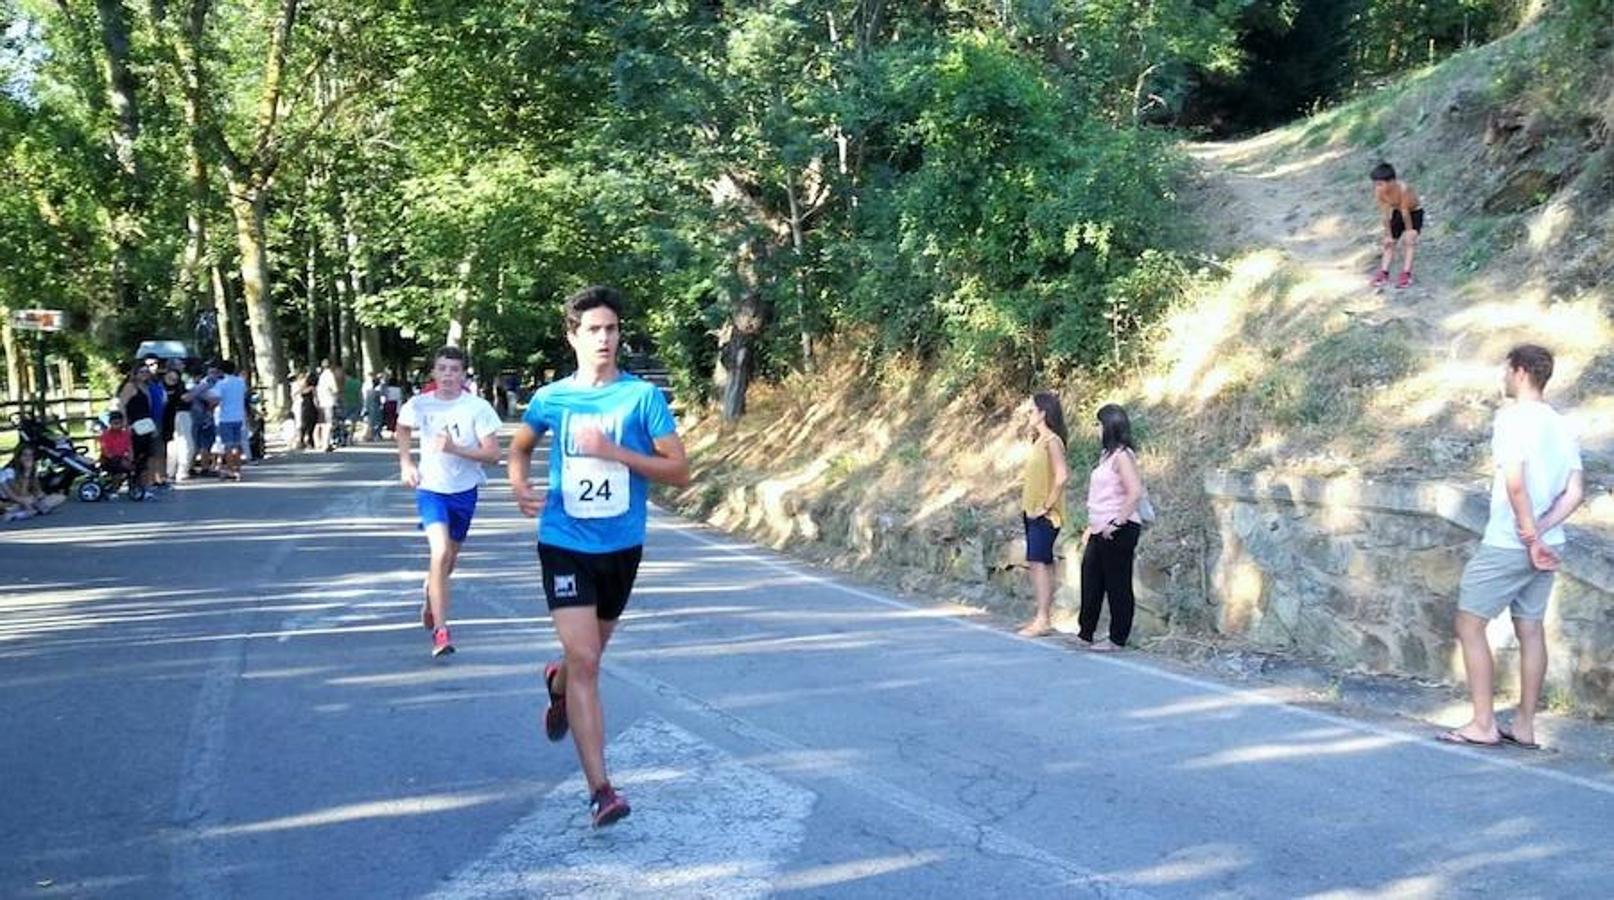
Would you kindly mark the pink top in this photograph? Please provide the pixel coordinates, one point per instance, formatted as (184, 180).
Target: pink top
(1106, 493)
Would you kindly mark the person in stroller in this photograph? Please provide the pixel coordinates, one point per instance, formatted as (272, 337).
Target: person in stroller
(117, 453)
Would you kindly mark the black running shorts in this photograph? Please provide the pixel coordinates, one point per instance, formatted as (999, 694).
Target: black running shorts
(600, 580)
(1398, 225)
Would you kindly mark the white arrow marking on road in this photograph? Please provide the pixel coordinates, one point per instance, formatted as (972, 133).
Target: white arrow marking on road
(703, 825)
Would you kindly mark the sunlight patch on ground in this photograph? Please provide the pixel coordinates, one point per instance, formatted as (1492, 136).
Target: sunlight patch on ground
(1273, 752)
(840, 873)
(424, 804)
(1191, 864)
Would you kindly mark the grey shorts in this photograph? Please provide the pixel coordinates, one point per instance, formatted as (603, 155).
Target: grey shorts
(1499, 578)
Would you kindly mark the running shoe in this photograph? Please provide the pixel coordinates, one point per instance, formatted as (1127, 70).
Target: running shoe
(1381, 279)
(555, 722)
(608, 806)
(1405, 281)
(441, 644)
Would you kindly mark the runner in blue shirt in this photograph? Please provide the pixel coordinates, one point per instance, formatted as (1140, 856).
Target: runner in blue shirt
(613, 435)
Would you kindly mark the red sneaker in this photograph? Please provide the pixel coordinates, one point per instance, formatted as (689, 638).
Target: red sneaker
(1381, 279)
(442, 645)
(608, 806)
(555, 722)
(1405, 281)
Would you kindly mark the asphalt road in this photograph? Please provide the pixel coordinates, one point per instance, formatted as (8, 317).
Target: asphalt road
(227, 693)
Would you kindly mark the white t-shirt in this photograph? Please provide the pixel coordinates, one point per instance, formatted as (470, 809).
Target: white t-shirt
(468, 418)
(1532, 433)
(326, 389)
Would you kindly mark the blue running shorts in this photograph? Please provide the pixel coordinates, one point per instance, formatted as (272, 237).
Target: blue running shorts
(453, 510)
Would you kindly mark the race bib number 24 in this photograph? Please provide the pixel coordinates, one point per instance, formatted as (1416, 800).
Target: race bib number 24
(594, 488)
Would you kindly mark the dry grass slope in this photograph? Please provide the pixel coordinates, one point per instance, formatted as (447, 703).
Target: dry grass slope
(1284, 361)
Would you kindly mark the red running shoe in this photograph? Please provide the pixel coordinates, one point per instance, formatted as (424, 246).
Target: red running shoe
(555, 722)
(608, 806)
(1405, 281)
(1381, 279)
(442, 645)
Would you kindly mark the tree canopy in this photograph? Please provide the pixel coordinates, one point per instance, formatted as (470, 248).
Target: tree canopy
(977, 183)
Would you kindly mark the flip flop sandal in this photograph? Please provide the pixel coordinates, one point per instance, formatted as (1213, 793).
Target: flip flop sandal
(1452, 737)
(1508, 738)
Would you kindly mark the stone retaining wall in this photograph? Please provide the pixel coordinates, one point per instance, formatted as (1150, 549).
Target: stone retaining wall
(1365, 574)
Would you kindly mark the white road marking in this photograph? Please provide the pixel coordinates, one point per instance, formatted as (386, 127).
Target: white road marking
(703, 825)
(963, 829)
(1489, 757)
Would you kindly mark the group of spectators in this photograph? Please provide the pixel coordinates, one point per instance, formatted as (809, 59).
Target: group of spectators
(172, 424)
(334, 408)
(168, 424)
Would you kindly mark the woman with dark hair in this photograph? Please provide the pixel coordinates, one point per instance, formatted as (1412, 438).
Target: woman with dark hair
(172, 387)
(1042, 501)
(135, 398)
(1114, 493)
(307, 412)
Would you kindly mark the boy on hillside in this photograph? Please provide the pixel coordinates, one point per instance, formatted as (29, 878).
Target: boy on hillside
(1536, 484)
(1402, 215)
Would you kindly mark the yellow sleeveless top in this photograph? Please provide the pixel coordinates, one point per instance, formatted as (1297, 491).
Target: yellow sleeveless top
(1039, 480)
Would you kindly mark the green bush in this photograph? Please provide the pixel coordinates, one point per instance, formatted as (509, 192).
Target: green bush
(1012, 231)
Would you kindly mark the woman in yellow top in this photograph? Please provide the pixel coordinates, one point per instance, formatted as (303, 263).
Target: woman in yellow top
(1042, 501)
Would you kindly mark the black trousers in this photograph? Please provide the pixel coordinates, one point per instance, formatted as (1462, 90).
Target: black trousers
(1107, 572)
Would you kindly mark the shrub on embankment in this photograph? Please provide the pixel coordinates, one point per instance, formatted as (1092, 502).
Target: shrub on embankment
(1282, 365)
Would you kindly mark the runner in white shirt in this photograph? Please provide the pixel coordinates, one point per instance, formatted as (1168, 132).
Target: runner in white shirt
(458, 435)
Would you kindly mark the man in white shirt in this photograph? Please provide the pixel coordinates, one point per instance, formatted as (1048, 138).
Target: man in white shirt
(326, 391)
(1536, 485)
(458, 435)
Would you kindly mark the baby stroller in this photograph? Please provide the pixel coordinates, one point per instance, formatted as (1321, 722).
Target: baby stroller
(65, 462)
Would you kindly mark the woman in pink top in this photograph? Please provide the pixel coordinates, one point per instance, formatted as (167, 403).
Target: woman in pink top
(1113, 526)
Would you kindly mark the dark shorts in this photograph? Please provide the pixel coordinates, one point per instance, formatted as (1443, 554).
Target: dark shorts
(1041, 533)
(202, 434)
(600, 580)
(453, 510)
(233, 435)
(1398, 225)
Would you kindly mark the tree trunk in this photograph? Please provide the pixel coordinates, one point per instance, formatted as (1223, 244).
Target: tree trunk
(460, 315)
(350, 331)
(798, 241)
(229, 348)
(189, 288)
(119, 80)
(311, 318)
(737, 338)
(247, 202)
(14, 362)
(369, 337)
(333, 325)
(339, 321)
(370, 350)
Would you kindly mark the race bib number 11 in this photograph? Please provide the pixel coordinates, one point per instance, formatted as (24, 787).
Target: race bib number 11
(593, 488)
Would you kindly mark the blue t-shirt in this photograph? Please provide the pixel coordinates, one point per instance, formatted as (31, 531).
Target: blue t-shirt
(232, 393)
(595, 505)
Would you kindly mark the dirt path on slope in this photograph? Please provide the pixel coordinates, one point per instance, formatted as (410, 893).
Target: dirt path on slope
(1315, 207)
